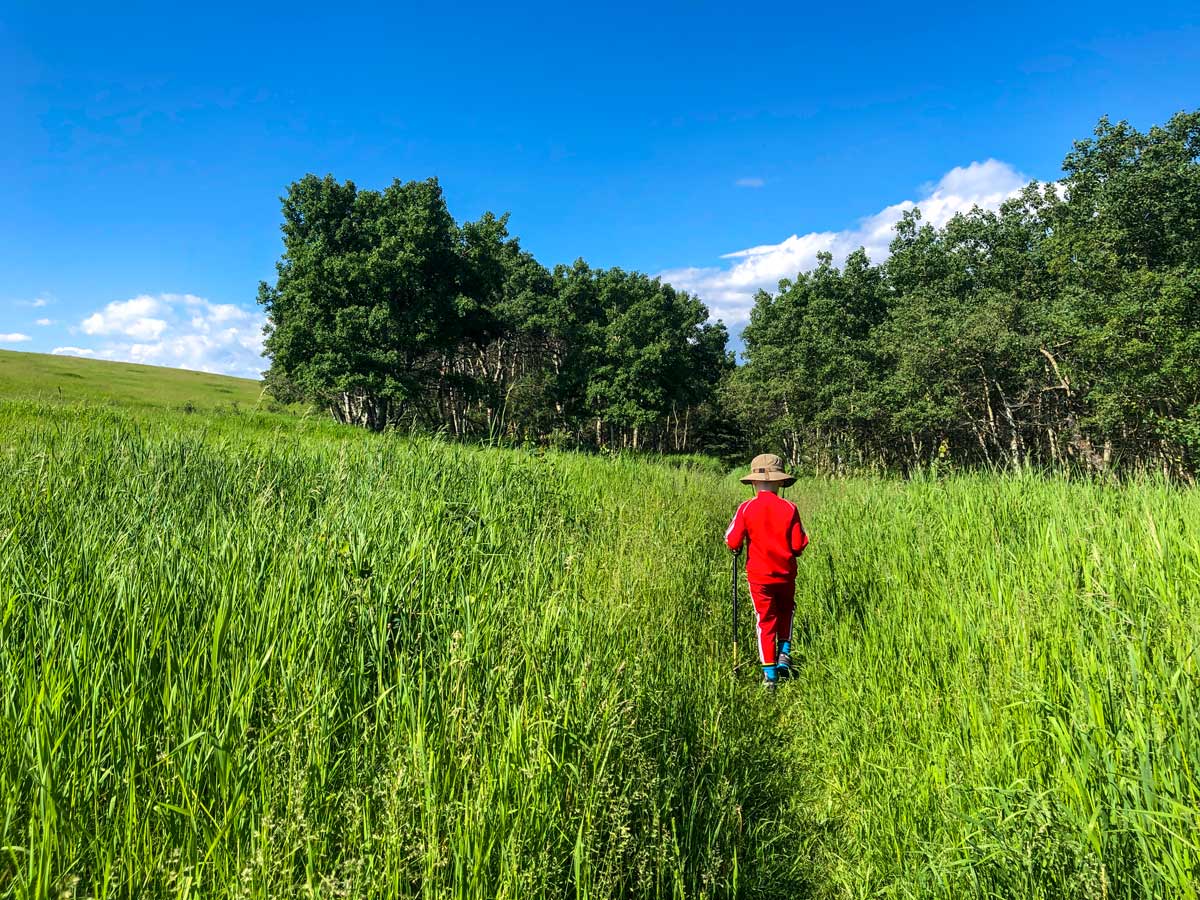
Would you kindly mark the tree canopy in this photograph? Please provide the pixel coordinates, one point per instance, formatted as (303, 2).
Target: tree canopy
(387, 312)
(1061, 329)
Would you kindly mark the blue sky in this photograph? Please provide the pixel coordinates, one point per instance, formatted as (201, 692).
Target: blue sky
(142, 152)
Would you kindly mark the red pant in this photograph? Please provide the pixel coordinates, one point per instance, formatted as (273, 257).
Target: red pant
(774, 605)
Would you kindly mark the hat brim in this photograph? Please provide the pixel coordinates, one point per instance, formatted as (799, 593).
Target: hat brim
(780, 478)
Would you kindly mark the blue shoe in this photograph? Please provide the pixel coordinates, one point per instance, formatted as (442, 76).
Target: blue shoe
(784, 668)
(770, 678)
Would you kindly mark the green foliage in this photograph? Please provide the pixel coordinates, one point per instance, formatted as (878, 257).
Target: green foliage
(647, 350)
(364, 296)
(811, 356)
(1062, 329)
(1126, 250)
(388, 313)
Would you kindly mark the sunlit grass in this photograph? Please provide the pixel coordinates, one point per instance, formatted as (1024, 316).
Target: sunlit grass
(281, 658)
(68, 379)
(999, 689)
(255, 655)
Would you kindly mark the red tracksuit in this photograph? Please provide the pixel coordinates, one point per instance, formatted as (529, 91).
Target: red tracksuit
(776, 538)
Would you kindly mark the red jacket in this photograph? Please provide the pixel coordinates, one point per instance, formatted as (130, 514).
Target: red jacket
(776, 537)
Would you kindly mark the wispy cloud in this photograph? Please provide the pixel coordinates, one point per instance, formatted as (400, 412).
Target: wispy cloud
(729, 290)
(750, 182)
(45, 322)
(14, 338)
(177, 330)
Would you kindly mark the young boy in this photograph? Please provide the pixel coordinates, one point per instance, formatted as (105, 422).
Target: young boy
(776, 537)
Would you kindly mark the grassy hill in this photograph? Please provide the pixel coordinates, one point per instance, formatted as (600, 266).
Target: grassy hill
(69, 379)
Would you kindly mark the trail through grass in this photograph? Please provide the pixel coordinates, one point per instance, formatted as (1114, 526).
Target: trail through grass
(253, 655)
(281, 659)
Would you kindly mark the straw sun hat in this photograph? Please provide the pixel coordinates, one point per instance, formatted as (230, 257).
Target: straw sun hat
(768, 467)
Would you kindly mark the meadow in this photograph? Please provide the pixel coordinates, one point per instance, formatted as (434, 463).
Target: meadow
(246, 653)
(46, 378)
(999, 689)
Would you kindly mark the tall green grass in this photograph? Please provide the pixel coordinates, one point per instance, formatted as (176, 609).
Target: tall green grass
(252, 655)
(262, 658)
(999, 689)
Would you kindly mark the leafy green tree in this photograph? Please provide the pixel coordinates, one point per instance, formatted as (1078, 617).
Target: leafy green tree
(385, 310)
(962, 337)
(813, 370)
(654, 344)
(1062, 329)
(503, 348)
(1125, 249)
(365, 297)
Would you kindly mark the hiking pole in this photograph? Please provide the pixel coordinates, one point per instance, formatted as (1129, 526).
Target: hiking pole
(737, 554)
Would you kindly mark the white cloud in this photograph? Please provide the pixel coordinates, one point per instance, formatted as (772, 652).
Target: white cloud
(750, 182)
(44, 322)
(138, 318)
(729, 290)
(180, 331)
(39, 302)
(73, 351)
(14, 338)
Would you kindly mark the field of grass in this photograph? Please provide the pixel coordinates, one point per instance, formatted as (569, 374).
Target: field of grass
(69, 379)
(999, 689)
(248, 654)
(241, 657)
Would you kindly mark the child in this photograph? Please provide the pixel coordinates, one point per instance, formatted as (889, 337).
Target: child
(776, 536)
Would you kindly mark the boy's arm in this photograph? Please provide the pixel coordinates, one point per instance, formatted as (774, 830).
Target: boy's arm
(797, 539)
(735, 534)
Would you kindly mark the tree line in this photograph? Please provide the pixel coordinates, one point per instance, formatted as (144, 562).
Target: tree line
(388, 313)
(1061, 330)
